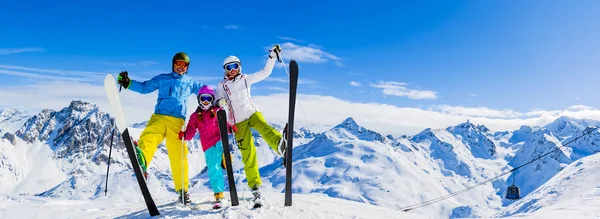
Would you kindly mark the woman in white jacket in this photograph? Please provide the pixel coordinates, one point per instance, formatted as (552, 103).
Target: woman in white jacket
(234, 91)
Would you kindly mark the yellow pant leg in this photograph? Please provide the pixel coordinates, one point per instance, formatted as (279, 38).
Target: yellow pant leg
(178, 160)
(267, 132)
(152, 136)
(246, 146)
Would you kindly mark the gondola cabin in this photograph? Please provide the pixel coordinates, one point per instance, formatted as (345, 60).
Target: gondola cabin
(513, 193)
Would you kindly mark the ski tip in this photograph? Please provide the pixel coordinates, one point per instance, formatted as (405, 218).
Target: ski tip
(293, 66)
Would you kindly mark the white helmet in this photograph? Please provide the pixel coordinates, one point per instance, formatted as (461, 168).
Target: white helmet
(231, 59)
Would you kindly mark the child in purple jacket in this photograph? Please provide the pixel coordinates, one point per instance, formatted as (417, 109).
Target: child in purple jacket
(204, 120)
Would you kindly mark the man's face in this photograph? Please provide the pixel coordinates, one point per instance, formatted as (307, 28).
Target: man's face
(180, 67)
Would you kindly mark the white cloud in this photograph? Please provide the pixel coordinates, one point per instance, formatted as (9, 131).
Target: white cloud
(308, 54)
(280, 89)
(232, 27)
(54, 71)
(143, 64)
(579, 108)
(290, 39)
(58, 94)
(327, 111)
(275, 79)
(394, 88)
(315, 110)
(478, 112)
(307, 81)
(9, 51)
(285, 80)
(37, 74)
(355, 84)
(473, 95)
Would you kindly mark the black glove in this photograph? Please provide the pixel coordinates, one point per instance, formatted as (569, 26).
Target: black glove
(123, 79)
(275, 52)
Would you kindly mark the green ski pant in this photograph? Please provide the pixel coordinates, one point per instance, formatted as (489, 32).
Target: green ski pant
(246, 144)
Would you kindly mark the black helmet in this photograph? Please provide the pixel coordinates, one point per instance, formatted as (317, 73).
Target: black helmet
(180, 56)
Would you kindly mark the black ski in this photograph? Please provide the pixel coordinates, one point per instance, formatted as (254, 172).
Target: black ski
(222, 117)
(290, 132)
(110, 87)
(139, 175)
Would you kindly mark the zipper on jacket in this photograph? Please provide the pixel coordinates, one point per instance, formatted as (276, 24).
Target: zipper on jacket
(170, 91)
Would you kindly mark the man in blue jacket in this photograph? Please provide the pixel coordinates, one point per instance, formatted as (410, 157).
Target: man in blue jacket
(169, 116)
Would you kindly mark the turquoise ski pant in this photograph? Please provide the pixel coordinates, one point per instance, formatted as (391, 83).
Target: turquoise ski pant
(214, 156)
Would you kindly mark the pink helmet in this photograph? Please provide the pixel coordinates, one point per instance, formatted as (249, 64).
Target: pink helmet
(206, 90)
(204, 94)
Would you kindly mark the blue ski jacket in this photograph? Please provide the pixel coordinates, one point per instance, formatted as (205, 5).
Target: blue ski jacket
(173, 92)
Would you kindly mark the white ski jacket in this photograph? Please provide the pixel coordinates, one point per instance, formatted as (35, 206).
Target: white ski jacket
(237, 92)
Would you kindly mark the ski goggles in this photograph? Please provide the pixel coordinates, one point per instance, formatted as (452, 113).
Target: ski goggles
(232, 66)
(206, 98)
(181, 64)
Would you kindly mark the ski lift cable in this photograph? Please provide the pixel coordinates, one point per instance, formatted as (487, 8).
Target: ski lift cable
(441, 198)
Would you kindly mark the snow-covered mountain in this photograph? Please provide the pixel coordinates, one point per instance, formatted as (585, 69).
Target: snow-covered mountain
(572, 193)
(11, 120)
(354, 163)
(73, 144)
(63, 155)
(548, 138)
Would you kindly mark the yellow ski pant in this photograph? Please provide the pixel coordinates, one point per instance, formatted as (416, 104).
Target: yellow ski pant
(158, 128)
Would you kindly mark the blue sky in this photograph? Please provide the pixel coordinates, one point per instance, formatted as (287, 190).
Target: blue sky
(499, 55)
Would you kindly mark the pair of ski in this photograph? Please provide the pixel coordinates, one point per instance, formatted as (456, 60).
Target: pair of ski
(115, 103)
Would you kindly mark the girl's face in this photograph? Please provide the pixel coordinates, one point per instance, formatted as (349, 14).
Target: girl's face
(205, 101)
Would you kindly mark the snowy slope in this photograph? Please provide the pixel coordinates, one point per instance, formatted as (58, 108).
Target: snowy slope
(572, 193)
(305, 206)
(27, 168)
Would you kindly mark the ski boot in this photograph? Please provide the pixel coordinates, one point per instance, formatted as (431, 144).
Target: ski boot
(257, 197)
(283, 144)
(218, 199)
(141, 159)
(184, 196)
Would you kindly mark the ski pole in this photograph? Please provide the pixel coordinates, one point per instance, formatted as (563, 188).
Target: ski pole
(108, 167)
(182, 167)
